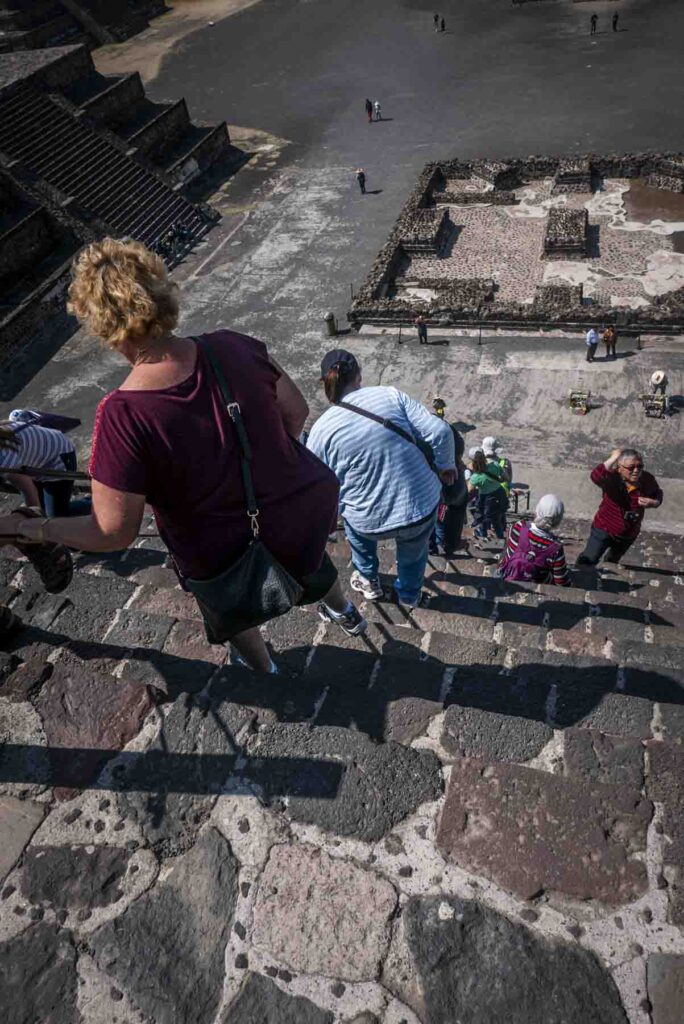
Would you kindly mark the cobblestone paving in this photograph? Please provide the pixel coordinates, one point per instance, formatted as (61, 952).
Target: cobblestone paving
(473, 814)
(626, 267)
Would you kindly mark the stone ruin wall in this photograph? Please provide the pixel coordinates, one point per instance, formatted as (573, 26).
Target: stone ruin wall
(471, 301)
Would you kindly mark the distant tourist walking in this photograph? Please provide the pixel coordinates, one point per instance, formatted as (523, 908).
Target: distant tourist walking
(165, 437)
(369, 111)
(361, 178)
(592, 340)
(421, 324)
(533, 552)
(594, 23)
(377, 440)
(378, 111)
(627, 492)
(435, 21)
(443, 25)
(610, 341)
(615, 21)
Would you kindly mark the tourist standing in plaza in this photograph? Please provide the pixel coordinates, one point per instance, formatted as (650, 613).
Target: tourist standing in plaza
(176, 435)
(610, 341)
(389, 490)
(533, 552)
(627, 492)
(361, 178)
(486, 479)
(421, 324)
(369, 111)
(378, 110)
(594, 23)
(592, 340)
(435, 22)
(443, 25)
(615, 21)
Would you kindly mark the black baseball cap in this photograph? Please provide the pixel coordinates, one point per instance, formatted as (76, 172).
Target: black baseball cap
(338, 357)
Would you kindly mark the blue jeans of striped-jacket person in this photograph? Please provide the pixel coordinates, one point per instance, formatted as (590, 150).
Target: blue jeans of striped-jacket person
(412, 555)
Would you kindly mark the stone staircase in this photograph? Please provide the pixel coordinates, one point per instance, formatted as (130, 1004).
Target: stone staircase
(33, 24)
(472, 813)
(82, 166)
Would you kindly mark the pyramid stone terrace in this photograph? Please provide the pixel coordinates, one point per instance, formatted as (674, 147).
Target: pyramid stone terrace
(521, 226)
(84, 155)
(34, 24)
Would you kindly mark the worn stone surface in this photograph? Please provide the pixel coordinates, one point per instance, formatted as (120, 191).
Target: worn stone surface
(139, 629)
(170, 788)
(340, 780)
(665, 977)
(455, 960)
(18, 821)
(665, 783)
(88, 716)
(38, 977)
(321, 915)
(261, 1000)
(470, 732)
(73, 876)
(593, 756)
(24, 761)
(166, 951)
(92, 605)
(583, 840)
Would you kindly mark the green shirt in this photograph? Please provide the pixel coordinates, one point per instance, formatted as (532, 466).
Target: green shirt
(484, 482)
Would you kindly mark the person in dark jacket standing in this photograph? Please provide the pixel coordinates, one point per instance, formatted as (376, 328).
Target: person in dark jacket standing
(369, 111)
(594, 23)
(435, 22)
(442, 25)
(627, 492)
(615, 21)
(361, 178)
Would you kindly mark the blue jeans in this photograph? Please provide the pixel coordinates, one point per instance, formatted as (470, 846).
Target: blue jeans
(492, 509)
(55, 495)
(412, 555)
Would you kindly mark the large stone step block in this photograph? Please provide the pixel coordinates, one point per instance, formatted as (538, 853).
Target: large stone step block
(532, 832)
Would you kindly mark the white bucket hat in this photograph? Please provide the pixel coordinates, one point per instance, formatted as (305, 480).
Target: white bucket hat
(489, 445)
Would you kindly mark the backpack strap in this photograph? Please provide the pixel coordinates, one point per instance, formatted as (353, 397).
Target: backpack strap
(396, 429)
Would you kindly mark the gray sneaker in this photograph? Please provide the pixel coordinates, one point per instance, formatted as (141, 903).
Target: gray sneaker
(352, 622)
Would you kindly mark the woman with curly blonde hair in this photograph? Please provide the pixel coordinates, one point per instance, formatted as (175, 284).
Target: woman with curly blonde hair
(165, 437)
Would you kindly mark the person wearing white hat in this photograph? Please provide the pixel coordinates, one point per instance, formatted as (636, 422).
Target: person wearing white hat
(491, 447)
(533, 552)
(486, 480)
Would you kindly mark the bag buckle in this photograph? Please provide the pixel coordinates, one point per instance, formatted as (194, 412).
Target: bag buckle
(232, 407)
(253, 518)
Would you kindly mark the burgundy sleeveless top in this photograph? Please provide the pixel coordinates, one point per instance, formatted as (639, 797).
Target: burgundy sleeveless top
(177, 446)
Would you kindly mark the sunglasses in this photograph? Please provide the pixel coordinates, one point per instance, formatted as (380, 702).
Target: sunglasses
(633, 469)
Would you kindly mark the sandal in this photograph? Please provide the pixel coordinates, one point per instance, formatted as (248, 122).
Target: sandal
(52, 562)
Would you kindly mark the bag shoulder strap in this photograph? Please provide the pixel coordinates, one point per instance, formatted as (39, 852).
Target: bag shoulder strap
(389, 425)
(235, 414)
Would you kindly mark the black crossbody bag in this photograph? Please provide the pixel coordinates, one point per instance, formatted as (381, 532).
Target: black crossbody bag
(255, 588)
(422, 446)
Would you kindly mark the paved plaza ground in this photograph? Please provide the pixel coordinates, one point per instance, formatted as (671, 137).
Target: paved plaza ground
(474, 815)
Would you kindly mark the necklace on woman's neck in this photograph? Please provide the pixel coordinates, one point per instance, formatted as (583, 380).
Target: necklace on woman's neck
(152, 349)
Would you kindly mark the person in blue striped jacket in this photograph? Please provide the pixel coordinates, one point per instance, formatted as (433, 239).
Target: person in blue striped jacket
(391, 457)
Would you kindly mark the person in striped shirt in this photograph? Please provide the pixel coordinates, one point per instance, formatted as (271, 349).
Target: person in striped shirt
(388, 490)
(41, 448)
(533, 551)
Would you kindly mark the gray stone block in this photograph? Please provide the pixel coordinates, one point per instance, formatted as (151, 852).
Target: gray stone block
(38, 977)
(261, 1000)
(166, 951)
(665, 976)
(339, 780)
(70, 877)
(470, 732)
(454, 960)
(593, 756)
